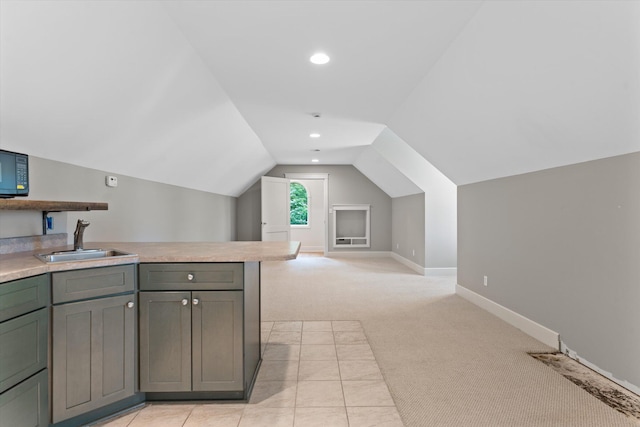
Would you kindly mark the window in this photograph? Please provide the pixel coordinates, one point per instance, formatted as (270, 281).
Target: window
(299, 204)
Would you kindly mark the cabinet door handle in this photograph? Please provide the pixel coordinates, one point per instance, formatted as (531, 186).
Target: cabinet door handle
(130, 304)
(185, 301)
(190, 277)
(196, 301)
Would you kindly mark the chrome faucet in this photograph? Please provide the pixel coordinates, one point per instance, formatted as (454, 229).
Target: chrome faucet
(77, 235)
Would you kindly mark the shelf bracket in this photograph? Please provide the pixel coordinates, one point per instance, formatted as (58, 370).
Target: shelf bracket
(45, 214)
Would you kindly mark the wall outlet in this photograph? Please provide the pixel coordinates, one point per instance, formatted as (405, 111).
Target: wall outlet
(413, 252)
(111, 181)
(486, 281)
(397, 245)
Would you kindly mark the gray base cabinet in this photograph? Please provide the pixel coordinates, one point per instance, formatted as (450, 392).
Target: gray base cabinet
(191, 341)
(26, 405)
(23, 347)
(165, 341)
(24, 341)
(93, 344)
(217, 341)
(199, 329)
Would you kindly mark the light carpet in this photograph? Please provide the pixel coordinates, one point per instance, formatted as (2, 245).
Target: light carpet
(446, 361)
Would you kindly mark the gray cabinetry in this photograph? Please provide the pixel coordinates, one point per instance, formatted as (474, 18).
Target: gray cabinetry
(217, 340)
(165, 341)
(192, 339)
(26, 405)
(93, 343)
(23, 347)
(192, 276)
(24, 328)
(24, 295)
(77, 285)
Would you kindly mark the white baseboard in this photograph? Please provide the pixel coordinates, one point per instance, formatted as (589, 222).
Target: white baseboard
(312, 249)
(357, 254)
(572, 354)
(451, 271)
(412, 265)
(528, 326)
(424, 271)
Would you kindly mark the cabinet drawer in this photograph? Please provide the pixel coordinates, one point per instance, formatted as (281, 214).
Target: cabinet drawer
(26, 405)
(92, 282)
(23, 347)
(22, 296)
(191, 276)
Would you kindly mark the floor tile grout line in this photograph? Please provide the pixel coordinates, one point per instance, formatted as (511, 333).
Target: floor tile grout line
(295, 401)
(344, 398)
(268, 332)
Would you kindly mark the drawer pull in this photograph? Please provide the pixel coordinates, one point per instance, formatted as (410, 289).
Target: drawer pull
(196, 301)
(190, 277)
(130, 304)
(185, 301)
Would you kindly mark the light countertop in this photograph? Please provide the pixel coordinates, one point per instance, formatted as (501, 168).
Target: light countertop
(24, 264)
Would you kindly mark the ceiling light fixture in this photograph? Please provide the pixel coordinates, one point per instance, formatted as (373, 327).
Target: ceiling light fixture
(314, 135)
(314, 160)
(319, 58)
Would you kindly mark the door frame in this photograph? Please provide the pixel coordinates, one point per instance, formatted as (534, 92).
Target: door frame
(325, 210)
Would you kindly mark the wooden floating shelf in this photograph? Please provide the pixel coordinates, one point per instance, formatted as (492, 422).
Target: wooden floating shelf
(48, 206)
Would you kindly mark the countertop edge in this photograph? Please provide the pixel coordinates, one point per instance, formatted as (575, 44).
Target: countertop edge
(24, 264)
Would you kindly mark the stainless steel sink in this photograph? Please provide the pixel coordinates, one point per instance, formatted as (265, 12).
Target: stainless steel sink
(80, 254)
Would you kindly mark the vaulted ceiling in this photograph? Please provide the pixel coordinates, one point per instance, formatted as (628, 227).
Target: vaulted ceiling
(212, 94)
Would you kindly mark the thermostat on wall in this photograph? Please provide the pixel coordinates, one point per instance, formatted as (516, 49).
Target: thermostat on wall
(111, 181)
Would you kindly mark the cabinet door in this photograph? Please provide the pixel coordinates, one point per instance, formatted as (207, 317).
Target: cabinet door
(217, 341)
(23, 347)
(26, 405)
(165, 341)
(93, 355)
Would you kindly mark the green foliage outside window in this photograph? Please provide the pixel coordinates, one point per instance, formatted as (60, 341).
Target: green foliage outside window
(299, 204)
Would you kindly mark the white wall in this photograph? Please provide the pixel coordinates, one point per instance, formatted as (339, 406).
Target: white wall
(408, 228)
(439, 198)
(139, 210)
(561, 247)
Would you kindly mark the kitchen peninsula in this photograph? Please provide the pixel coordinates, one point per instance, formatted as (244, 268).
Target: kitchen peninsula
(171, 321)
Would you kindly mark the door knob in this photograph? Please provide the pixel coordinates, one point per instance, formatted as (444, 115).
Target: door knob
(196, 301)
(185, 301)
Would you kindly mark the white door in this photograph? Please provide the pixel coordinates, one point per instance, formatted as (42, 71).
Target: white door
(320, 211)
(276, 221)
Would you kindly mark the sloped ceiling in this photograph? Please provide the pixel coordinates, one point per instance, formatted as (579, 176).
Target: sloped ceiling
(529, 85)
(212, 94)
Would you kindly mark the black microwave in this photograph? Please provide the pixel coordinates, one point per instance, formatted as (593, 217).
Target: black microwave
(14, 174)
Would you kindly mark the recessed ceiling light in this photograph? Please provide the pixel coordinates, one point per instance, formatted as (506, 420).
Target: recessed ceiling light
(314, 160)
(314, 135)
(319, 58)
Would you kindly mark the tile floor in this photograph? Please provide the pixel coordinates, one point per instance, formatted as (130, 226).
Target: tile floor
(313, 373)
